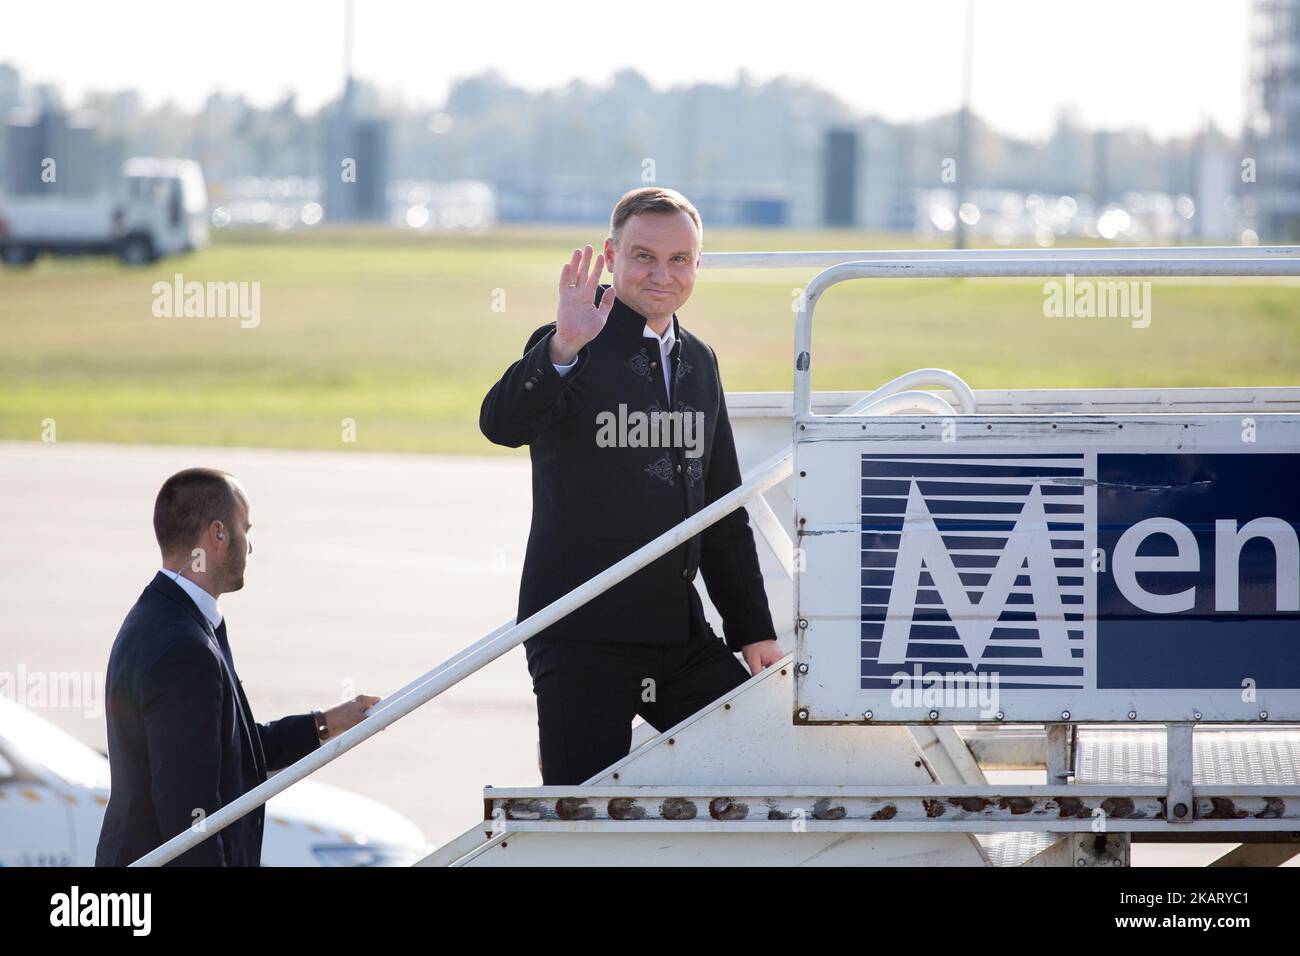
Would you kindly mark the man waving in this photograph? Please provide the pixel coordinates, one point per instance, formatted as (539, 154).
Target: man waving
(617, 354)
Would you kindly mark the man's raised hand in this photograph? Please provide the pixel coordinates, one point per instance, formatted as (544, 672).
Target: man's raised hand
(577, 319)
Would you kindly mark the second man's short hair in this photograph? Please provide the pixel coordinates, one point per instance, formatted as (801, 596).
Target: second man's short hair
(187, 503)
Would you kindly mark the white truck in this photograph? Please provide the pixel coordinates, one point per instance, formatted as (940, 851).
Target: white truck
(159, 208)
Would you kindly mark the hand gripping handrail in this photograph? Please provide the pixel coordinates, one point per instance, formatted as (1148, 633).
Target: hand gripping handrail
(766, 475)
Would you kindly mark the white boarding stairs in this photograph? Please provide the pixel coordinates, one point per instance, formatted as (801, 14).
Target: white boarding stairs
(789, 768)
(743, 783)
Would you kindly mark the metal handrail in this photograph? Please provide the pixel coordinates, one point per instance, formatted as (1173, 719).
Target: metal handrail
(814, 258)
(911, 401)
(886, 266)
(928, 376)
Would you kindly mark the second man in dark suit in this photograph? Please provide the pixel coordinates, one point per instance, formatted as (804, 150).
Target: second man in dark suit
(182, 741)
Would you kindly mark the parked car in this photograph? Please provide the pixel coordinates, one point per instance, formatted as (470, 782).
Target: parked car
(53, 791)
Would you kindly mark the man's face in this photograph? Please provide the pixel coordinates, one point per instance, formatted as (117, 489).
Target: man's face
(655, 262)
(236, 556)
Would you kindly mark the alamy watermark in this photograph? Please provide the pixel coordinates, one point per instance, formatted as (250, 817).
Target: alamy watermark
(208, 300)
(1091, 299)
(652, 429)
(37, 690)
(75, 908)
(936, 690)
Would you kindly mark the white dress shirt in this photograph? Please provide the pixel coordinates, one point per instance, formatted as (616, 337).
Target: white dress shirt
(204, 601)
(666, 342)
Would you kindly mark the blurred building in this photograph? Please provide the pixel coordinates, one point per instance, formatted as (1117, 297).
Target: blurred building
(356, 165)
(1216, 208)
(10, 87)
(1273, 135)
(839, 183)
(51, 152)
(775, 154)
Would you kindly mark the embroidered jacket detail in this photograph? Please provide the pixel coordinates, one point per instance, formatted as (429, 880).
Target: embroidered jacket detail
(640, 364)
(661, 468)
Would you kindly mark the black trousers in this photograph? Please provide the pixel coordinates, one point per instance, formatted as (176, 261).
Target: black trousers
(589, 691)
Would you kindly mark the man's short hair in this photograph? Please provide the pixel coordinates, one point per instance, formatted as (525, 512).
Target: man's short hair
(651, 199)
(188, 502)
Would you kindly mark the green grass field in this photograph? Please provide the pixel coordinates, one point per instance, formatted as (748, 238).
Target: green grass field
(398, 332)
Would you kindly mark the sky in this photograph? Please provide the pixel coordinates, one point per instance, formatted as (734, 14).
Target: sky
(1162, 65)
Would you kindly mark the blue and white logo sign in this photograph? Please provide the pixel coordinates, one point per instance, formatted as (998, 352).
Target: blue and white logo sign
(977, 562)
(1084, 573)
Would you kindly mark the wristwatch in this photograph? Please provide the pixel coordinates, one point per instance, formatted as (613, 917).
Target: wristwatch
(322, 728)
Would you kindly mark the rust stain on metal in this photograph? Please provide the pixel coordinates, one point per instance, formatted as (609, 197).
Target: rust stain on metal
(1016, 805)
(625, 808)
(1222, 808)
(933, 808)
(525, 809)
(677, 808)
(887, 812)
(574, 808)
(1121, 808)
(822, 810)
(1274, 809)
(774, 811)
(724, 808)
(971, 804)
(1073, 807)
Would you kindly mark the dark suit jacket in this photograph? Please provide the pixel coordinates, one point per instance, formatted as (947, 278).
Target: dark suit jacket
(593, 504)
(181, 736)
